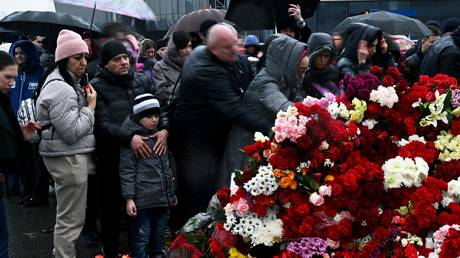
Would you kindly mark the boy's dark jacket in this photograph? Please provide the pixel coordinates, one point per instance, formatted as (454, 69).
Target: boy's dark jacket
(150, 182)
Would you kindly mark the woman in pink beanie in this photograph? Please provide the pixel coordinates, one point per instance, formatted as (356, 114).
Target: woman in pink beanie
(65, 108)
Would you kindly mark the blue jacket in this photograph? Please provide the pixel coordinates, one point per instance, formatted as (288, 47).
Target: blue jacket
(28, 77)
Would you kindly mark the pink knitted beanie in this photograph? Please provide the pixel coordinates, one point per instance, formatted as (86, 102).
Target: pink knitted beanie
(69, 43)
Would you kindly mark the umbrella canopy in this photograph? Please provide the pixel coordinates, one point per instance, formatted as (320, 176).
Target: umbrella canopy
(266, 14)
(47, 24)
(26, 5)
(191, 22)
(391, 23)
(133, 8)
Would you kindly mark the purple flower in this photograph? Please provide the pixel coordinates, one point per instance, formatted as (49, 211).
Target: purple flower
(360, 86)
(307, 247)
(455, 98)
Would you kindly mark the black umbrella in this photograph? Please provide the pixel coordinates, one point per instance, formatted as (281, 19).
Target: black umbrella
(191, 21)
(47, 24)
(265, 14)
(391, 23)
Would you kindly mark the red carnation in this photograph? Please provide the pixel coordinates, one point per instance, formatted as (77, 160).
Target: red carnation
(388, 81)
(455, 127)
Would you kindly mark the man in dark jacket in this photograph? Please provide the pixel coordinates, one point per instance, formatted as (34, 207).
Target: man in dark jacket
(443, 57)
(117, 86)
(209, 100)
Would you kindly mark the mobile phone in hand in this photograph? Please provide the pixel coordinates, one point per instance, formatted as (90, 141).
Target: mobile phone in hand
(84, 80)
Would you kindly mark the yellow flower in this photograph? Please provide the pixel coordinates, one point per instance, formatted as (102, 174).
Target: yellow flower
(288, 181)
(234, 253)
(329, 178)
(360, 107)
(456, 112)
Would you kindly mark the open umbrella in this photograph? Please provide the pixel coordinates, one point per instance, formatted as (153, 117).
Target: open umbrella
(47, 24)
(133, 8)
(391, 23)
(265, 14)
(191, 22)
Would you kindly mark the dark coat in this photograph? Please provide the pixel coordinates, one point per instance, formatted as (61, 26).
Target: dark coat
(443, 57)
(150, 182)
(319, 82)
(348, 61)
(115, 96)
(10, 132)
(29, 75)
(209, 100)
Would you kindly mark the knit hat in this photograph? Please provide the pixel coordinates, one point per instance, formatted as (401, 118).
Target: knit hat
(69, 43)
(111, 49)
(145, 105)
(251, 40)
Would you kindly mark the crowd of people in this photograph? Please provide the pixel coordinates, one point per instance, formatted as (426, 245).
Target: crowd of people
(128, 126)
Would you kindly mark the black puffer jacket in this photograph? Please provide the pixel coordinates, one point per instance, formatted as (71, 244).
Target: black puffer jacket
(150, 182)
(443, 57)
(115, 96)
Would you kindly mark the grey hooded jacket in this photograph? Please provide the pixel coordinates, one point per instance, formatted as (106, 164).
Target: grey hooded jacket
(72, 122)
(276, 86)
(272, 90)
(150, 182)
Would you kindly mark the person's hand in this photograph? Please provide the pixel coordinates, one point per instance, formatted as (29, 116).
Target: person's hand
(29, 128)
(91, 96)
(131, 209)
(139, 147)
(383, 46)
(363, 52)
(161, 145)
(295, 12)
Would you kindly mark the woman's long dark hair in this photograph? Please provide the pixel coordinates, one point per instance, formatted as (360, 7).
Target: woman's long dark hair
(62, 67)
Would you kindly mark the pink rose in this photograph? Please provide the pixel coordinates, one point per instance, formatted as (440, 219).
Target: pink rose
(241, 206)
(325, 190)
(316, 199)
(266, 153)
(395, 220)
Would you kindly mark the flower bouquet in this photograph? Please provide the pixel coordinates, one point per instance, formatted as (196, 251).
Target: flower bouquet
(374, 174)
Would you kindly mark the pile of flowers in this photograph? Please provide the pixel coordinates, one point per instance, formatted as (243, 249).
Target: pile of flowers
(374, 174)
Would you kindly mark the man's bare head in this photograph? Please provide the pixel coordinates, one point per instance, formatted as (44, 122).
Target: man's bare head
(223, 42)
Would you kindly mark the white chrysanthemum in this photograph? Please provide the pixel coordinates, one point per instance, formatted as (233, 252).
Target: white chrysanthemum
(385, 96)
(370, 123)
(263, 183)
(267, 232)
(407, 172)
(412, 138)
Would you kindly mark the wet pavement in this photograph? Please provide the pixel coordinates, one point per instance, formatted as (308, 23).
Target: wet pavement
(31, 231)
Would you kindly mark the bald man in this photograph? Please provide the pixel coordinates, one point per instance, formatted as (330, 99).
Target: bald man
(209, 100)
